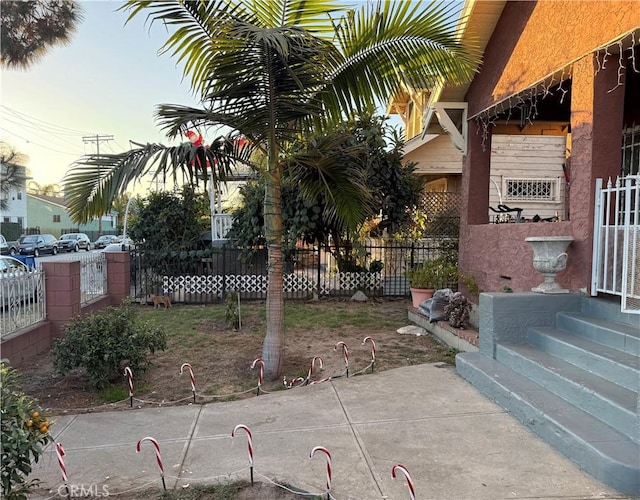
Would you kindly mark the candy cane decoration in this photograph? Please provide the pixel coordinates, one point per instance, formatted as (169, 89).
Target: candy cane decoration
(328, 456)
(312, 366)
(249, 445)
(401, 468)
(129, 374)
(345, 354)
(373, 351)
(60, 453)
(258, 361)
(292, 383)
(193, 379)
(158, 457)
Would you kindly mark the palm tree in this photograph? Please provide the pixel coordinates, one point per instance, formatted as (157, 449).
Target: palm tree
(29, 28)
(43, 189)
(271, 70)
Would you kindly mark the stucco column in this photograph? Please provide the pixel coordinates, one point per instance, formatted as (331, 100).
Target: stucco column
(596, 132)
(476, 176)
(118, 276)
(62, 293)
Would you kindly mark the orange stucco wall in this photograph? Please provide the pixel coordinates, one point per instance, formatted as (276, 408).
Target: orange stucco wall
(533, 39)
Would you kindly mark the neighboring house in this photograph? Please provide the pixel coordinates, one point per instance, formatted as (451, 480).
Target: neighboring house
(16, 210)
(49, 214)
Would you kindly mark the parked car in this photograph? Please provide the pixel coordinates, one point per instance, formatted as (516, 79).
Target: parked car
(12, 268)
(38, 244)
(104, 240)
(73, 242)
(125, 246)
(8, 247)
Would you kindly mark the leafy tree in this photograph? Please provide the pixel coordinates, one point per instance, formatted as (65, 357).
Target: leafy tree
(389, 188)
(170, 220)
(13, 173)
(269, 70)
(29, 27)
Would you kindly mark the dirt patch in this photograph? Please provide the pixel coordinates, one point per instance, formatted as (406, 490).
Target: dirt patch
(221, 357)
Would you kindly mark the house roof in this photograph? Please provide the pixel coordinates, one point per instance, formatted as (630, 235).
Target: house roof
(54, 200)
(479, 20)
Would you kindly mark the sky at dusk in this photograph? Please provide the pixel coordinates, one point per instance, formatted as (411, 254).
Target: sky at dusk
(107, 81)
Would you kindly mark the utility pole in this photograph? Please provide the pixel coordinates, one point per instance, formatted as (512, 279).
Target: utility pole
(97, 139)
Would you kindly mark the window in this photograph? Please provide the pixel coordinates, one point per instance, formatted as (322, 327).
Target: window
(21, 221)
(525, 189)
(631, 151)
(6, 219)
(56, 218)
(19, 195)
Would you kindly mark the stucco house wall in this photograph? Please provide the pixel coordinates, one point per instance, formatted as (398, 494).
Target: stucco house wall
(531, 41)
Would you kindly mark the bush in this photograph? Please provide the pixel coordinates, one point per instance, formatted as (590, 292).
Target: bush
(102, 343)
(25, 431)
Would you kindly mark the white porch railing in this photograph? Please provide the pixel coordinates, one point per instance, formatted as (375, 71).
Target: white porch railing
(22, 301)
(616, 241)
(220, 226)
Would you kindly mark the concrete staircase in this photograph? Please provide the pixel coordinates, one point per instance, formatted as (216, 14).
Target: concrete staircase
(570, 371)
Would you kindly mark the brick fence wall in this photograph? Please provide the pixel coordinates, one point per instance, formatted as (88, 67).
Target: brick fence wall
(63, 303)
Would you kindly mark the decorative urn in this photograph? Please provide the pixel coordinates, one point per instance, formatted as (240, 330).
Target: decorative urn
(549, 258)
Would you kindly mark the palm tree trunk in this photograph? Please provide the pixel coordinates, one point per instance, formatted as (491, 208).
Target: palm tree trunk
(273, 347)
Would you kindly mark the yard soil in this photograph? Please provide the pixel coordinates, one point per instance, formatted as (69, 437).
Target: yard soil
(221, 365)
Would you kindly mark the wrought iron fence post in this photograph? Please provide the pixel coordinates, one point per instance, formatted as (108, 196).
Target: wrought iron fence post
(318, 287)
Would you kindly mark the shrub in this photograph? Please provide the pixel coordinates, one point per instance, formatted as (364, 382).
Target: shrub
(25, 431)
(102, 343)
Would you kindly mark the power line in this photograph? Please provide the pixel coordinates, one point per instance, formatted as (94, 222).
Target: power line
(40, 145)
(54, 126)
(38, 132)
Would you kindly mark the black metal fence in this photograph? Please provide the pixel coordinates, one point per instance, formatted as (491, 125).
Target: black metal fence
(376, 268)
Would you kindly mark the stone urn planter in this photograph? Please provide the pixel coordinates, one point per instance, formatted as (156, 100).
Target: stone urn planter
(549, 258)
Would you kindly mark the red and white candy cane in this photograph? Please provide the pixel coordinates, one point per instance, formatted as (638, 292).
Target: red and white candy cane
(328, 456)
(249, 445)
(345, 353)
(373, 350)
(292, 383)
(60, 453)
(258, 361)
(402, 468)
(312, 366)
(193, 378)
(156, 445)
(129, 374)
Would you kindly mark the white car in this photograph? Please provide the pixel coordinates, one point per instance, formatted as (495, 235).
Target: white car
(10, 270)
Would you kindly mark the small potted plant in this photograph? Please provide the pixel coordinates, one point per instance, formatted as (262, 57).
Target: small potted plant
(430, 275)
(457, 310)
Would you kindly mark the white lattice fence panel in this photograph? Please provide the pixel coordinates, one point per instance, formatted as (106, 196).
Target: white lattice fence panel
(192, 284)
(352, 281)
(298, 283)
(247, 283)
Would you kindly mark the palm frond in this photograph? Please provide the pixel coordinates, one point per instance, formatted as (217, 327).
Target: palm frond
(95, 181)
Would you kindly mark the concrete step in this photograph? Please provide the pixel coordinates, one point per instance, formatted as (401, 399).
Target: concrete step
(619, 336)
(608, 309)
(609, 402)
(612, 364)
(609, 455)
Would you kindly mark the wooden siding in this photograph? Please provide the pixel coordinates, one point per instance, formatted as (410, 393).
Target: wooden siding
(438, 156)
(536, 157)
